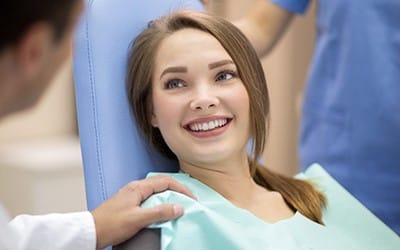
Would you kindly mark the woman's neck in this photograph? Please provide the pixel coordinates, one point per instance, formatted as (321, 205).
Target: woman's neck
(230, 179)
(233, 181)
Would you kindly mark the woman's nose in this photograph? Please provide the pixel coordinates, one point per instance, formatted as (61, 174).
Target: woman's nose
(204, 99)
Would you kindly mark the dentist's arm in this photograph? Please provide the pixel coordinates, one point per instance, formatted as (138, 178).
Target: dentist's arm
(264, 23)
(114, 221)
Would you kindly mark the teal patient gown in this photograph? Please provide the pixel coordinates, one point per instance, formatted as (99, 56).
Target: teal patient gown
(213, 222)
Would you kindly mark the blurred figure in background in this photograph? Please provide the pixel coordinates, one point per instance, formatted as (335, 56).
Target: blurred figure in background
(351, 112)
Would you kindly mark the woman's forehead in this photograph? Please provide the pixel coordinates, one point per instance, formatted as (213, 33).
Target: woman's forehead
(187, 45)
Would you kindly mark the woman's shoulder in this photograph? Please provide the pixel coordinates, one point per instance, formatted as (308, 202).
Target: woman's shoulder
(346, 215)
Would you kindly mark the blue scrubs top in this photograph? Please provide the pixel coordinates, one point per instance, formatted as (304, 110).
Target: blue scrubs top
(351, 112)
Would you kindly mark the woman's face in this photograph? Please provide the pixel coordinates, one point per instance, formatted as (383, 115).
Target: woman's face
(200, 104)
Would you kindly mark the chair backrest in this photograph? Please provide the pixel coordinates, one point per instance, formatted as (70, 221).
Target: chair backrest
(113, 152)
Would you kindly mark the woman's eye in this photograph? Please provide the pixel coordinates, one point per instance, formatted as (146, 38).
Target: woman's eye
(226, 75)
(173, 84)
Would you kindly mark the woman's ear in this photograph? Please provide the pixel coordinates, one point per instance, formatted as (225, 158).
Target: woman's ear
(154, 121)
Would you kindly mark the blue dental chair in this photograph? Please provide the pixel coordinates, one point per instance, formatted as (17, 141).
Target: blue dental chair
(112, 150)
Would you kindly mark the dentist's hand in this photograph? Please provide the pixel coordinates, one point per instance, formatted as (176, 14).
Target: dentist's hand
(121, 217)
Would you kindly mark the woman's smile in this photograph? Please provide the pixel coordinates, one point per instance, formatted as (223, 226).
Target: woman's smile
(208, 127)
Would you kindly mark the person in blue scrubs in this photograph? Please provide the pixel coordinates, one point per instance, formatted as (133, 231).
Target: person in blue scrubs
(351, 114)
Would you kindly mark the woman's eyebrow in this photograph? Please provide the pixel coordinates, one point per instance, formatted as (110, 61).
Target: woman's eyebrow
(219, 64)
(182, 69)
(178, 69)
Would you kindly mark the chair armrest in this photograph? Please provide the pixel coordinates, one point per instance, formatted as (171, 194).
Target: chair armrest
(146, 239)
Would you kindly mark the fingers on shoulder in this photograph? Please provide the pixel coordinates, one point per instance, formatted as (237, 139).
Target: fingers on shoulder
(162, 212)
(163, 182)
(159, 183)
(155, 184)
(146, 187)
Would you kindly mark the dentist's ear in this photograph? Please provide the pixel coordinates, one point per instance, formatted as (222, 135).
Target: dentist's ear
(154, 121)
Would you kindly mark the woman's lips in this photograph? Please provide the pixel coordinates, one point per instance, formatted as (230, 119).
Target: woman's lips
(204, 128)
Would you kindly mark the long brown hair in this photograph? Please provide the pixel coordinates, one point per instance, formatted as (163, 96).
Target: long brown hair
(299, 195)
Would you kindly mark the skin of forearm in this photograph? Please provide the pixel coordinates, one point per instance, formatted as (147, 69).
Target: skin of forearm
(263, 24)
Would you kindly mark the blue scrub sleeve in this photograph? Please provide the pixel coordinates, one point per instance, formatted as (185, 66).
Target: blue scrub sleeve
(296, 6)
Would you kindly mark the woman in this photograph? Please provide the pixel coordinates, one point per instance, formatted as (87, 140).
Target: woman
(199, 95)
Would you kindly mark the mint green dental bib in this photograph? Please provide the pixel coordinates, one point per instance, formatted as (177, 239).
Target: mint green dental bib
(212, 222)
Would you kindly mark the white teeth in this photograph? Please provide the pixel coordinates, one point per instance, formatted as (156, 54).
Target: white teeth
(205, 126)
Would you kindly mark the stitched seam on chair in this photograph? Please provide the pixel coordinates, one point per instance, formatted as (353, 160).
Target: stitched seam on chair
(94, 111)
